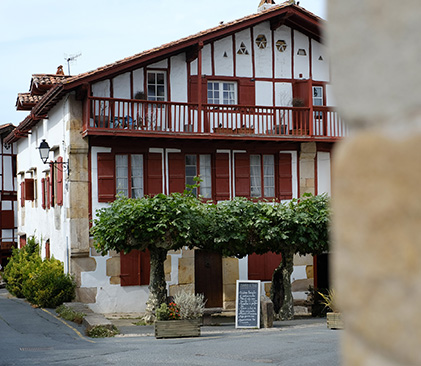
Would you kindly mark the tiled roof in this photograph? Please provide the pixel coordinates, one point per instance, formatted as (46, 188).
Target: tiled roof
(42, 82)
(26, 101)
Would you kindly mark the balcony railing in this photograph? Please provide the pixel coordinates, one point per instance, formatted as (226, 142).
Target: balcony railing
(110, 114)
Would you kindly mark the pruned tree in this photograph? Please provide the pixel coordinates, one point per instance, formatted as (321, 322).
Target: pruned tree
(159, 224)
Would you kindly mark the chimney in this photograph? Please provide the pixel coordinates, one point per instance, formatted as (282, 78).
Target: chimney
(60, 70)
(265, 4)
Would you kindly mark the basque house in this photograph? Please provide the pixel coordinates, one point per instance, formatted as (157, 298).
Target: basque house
(246, 105)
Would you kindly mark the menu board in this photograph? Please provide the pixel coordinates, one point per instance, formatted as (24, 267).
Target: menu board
(247, 314)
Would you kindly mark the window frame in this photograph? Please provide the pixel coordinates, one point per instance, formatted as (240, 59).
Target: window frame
(129, 175)
(156, 97)
(221, 83)
(198, 168)
(263, 181)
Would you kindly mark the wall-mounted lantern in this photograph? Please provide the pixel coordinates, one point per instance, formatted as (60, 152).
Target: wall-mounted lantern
(44, 152)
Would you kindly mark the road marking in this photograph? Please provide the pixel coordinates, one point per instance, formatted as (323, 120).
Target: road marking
(68, 325)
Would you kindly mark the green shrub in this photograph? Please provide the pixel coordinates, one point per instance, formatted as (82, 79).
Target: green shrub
(22, 264)
(101, 331)
(49, 286)
(70, 314)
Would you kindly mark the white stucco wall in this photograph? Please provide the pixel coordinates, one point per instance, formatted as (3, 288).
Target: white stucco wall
(264, 93)
(283, 59)
(244, 66)
(323, 173)
(283, 94)
(224, 65)
(301, 63)
(101, 89)
(320, 61)
(263, 56)
(138, 81)
(178, 78)
(32, 218)
(121, 86)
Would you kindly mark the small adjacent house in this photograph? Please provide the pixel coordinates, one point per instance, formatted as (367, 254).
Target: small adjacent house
(246, 105)
(8, 192)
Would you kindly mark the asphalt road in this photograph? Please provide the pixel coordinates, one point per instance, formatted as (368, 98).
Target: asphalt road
(30, 336)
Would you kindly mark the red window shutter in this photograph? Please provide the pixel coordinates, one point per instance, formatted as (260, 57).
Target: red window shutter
(47, 249)
(59, 193)
(22, 241)
(22, 194)
(176, 171)
(242, 175)
(222, 177)
(135, 268)
(29, 189)
(51, 187)
(106, 180)
(246, 92)
(193, 90)
(261, 267)
(154, 176)
(130, 268)
(145, 267)
(48, 201)
(285, 177)
(43, 193)
(7, 219)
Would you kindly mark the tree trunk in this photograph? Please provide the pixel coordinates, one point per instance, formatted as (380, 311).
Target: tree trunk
(157, 284)
(280, 292)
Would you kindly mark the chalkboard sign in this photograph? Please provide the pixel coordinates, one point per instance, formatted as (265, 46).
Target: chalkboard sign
(247, 314)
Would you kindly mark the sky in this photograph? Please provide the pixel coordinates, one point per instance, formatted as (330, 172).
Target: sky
(37, 36)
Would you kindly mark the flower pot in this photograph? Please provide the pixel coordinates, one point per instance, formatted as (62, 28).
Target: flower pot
(177, 328)
(334, 321)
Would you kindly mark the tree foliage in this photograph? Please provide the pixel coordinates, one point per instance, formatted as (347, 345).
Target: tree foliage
(238, 227)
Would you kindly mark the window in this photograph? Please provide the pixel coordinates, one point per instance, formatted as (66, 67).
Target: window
(157, 86)
(200, 165)
(129, 166)
(317, 95)
(262, 166)
(222, 92)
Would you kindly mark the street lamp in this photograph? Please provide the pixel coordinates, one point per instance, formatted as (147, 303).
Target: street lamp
(44, 152)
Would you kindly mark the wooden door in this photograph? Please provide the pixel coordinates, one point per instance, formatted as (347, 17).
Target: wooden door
(208, 277)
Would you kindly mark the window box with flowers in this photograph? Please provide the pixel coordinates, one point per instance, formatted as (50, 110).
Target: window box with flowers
(181, 317)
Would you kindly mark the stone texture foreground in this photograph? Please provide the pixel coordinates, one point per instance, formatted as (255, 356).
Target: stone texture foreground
(375, 53)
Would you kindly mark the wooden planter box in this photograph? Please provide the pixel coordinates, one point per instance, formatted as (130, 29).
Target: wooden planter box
(245, 131)
(223, 130)
(334, 321)
(177, 328)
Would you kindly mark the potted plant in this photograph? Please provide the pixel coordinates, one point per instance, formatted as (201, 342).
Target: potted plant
(333, 317)
(181, 317)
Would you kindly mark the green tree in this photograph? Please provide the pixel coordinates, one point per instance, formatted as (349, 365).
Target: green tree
(304, 223)
(159, 223)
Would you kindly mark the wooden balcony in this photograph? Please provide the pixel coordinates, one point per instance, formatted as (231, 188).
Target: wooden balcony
(110, 116)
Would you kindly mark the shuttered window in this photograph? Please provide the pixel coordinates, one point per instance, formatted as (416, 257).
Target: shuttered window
(285, 176)
(59, 193)
(134, 268)
(262, 176)
(261, 267)
(222, 177)
(199, 165)
(129, 175)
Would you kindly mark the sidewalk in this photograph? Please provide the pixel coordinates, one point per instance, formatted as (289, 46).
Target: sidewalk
(127, 327)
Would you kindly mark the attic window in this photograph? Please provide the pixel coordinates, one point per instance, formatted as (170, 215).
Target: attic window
(281, 45)
(261, 41)
(320, 58)
(243, 49)
(302, 52)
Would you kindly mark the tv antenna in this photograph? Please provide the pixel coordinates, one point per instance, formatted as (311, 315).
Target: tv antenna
(69, 59)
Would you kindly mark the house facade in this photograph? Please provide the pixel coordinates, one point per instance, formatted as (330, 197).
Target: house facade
(245, 105)
(8, 192)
